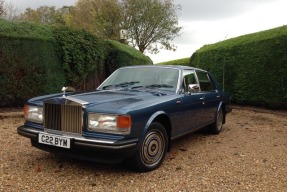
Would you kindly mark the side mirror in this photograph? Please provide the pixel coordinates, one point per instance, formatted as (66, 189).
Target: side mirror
(193, 88)
(70, 89)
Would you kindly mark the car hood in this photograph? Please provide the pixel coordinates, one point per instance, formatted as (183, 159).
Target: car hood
(110, 101)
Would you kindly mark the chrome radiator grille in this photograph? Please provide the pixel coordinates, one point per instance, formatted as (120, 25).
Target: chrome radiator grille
(66, 118)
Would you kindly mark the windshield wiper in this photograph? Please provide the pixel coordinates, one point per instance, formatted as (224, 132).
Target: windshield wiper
(159, 86)
(124, 84)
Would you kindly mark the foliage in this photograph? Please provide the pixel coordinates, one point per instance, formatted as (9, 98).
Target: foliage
(44, 15)
(39, 59)
(36, 16)
(80, 52)
(152, 24)
(81, 16)
(108, 16)
(120, 55)
(48, 15)
(11, 12)
(2, 7)
(7, 10)
(100, 17)
(252, 67)
(183, 61)
(29, 62)
(64, 16)
(25, 30)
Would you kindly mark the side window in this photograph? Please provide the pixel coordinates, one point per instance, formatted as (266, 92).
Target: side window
(189, 83)
(205, 83)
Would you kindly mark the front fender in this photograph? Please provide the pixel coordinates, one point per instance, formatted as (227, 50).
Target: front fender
(151, 119)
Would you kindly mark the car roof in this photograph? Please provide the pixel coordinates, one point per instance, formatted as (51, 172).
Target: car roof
(180, 67)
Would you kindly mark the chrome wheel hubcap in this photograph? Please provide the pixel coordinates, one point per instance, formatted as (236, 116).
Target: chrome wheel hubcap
(219, 122)
(153, 148)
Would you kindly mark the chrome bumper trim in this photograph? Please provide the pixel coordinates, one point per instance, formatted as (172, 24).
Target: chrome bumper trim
(82, 142)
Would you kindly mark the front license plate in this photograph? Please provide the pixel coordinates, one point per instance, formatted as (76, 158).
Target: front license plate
(54, 140)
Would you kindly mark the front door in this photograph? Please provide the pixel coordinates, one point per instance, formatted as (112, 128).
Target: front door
(190, 107)
(211, 97)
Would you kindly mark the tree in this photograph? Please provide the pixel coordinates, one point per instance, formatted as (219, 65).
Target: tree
(108, 17)
(43, 14)
(30, 15)
(65, 15)
(81, 16)
(47, 15)
(151, 23)
(100, 17)
(10, 11)
(1, 8)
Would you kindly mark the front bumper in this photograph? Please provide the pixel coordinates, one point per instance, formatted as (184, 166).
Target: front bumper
(83, 148)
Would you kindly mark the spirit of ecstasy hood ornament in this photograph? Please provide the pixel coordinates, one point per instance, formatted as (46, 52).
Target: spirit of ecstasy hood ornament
(64, 91)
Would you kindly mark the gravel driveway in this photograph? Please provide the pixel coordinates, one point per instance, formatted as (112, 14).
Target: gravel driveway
(250, 154)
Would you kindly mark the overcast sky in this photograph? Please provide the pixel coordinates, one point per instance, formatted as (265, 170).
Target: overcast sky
(205, 21)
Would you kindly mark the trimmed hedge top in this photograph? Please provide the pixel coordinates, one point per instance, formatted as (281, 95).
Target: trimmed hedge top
(25, 30)
(253, 68)
(120, 55)
(246, 39)
(130, 51)
(183, 61)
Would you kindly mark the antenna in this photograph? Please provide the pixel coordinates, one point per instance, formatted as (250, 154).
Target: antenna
(223, 68)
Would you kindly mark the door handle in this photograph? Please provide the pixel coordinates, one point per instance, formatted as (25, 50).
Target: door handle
(202, 99)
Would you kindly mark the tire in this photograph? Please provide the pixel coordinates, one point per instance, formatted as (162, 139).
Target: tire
(152, 149)
(216, 127)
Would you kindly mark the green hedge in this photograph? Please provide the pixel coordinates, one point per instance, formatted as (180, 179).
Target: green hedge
(253, 68)
(29, 64)
(183, 61)
(120, 55)
(80, 52)
(39, 59)
(25, 30)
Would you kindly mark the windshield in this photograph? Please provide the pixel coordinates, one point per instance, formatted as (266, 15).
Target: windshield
(143, 77)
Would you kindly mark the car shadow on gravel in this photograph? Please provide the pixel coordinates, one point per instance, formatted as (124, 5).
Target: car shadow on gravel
(55, 163)
(89, 165)
(196, 136)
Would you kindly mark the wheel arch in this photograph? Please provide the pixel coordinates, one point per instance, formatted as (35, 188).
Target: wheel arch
(222, 106)
(162, 118)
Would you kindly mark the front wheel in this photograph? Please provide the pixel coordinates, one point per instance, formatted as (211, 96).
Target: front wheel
(152, 149)
(216, 127)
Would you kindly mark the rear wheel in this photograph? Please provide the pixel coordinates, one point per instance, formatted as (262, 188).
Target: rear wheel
(152, 149)
(216, 127)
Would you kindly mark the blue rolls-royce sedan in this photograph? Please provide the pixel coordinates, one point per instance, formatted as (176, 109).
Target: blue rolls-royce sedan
(133, 115)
